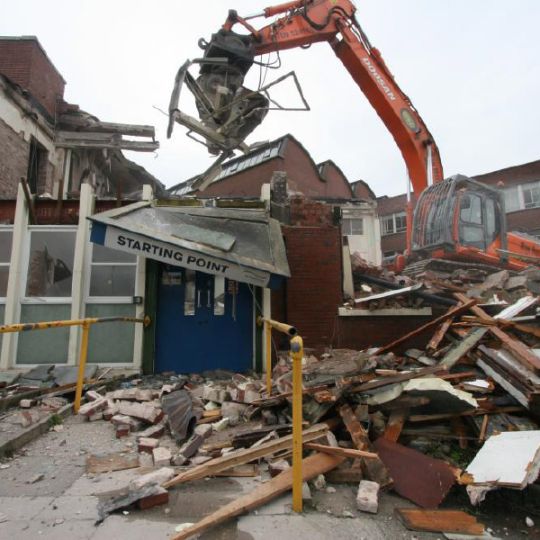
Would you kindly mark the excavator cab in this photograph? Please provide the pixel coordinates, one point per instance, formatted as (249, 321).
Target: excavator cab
(460, 219)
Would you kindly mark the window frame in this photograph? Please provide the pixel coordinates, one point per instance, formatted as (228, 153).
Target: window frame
(24, 299)
(349, 230)
(88, 299)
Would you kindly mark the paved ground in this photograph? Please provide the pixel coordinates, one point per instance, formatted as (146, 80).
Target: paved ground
(62, 505)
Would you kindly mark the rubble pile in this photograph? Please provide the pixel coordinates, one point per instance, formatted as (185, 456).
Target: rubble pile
(418, 422)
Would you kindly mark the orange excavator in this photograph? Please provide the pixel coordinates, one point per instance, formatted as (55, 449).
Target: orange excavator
(454, 219)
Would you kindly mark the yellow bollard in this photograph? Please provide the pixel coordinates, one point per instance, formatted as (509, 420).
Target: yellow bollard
(82, 364)
(268, 334)
(297, 349)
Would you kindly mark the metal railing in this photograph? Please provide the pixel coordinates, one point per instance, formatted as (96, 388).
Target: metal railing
(297, 353)
(83, 353)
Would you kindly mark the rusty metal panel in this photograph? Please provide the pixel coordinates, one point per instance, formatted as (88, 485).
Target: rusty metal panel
(417, 477)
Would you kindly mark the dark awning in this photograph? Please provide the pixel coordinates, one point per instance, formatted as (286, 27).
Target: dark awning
(240, 244)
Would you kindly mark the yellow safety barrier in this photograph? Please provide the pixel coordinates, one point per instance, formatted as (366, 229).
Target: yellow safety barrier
(85, 324)
(297, 352)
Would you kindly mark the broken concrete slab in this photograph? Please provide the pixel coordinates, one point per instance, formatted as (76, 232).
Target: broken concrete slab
(63, 375)
(142, 411)
(521, 468)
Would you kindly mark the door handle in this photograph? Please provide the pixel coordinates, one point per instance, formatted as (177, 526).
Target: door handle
(208, 298)
(198, 298)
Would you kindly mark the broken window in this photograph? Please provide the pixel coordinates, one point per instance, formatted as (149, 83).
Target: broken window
(37, 166)
(50, 262)
(352, 226)
(6, 237)
(112, 272)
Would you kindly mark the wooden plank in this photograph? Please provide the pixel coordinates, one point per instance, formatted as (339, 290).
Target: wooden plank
(374, 469)
(337, 451)
(463, 347)
(349, 475)
(242, 471)
(389, 294)
(444, 521)
(312, 466)
(117, 461)
(435, 341)
(402, 377)
(240, 457)
(395, 424)
(428, 326)
(521, 352)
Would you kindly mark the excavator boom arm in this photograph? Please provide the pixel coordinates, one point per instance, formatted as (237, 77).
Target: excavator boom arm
(305, 22)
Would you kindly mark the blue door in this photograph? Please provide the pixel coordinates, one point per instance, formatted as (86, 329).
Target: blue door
(204, 322)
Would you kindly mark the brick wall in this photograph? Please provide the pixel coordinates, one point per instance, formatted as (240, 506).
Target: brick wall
(13, 160)
(312, 295)
(24, 62)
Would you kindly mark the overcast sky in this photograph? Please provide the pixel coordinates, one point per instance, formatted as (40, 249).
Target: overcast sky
(470, 67)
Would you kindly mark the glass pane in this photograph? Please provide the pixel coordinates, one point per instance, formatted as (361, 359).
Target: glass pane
(511, 199)
(112, 280)
(4, 273)
(44, 346)
(50, 263)
(189, 291)
(105, 254)
(6, 238)
(531, 196)
(491, 220)
(111, 342)
(471, 209)
(219, 295)
(388, 225)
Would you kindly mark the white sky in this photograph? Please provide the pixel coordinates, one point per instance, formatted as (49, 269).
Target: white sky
(470, 67)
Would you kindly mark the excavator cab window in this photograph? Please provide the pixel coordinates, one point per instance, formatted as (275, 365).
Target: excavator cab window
(471, 221)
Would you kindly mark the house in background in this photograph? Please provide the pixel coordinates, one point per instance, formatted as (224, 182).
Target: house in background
(245, 176)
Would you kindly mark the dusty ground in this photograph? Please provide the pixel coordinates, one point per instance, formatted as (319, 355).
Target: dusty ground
(63, 503)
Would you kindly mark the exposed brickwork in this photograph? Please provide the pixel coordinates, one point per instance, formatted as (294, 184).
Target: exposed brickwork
(24, 62)
(524, 221)
(336, 181)
(307, 213)
(13, 160)
(361, 190)
(312, 295)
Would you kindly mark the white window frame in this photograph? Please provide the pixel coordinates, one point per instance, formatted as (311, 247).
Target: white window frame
(6, 228)
(521, 195)
(393, 219)
(348, 231)
(105, 299)
(26, 261)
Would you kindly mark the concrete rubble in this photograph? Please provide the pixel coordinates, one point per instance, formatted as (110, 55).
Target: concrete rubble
(416, 417)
